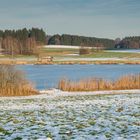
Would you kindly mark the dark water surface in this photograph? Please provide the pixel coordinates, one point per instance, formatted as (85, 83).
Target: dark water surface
(47, 76)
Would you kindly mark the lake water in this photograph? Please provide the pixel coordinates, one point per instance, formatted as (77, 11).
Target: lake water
(47, 76)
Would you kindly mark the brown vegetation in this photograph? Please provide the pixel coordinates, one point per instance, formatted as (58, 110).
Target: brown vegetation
(95, 84)
(14, 46)
(22, 41)
(13, 82)
(98, 62)
(84, 50)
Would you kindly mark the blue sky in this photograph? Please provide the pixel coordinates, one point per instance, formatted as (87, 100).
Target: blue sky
(98, 18)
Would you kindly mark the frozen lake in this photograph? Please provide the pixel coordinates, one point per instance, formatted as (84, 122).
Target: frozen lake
(47, 76)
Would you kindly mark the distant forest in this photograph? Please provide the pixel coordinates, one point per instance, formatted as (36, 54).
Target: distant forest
(126, 43)
(74, 40)
(26, 41)
(22, 41)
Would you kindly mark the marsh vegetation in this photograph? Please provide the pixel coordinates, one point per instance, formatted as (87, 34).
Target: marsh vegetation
(14, 83)
(94, 84)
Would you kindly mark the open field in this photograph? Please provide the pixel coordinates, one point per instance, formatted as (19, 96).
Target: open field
(70, 117)
(64, 52)
(107, 54)
(71, 56)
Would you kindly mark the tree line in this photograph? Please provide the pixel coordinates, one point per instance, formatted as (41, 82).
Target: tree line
(22, 41)
(26, 41)
(75, 40)
(128, 43)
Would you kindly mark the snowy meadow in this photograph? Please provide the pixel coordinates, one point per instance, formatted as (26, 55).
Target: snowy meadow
(78, 117)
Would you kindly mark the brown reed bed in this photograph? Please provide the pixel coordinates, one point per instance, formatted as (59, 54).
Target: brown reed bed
(96, 84)
(98, 62)
(14, 83)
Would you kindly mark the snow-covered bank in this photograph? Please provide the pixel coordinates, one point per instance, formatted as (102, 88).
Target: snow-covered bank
(57, 92)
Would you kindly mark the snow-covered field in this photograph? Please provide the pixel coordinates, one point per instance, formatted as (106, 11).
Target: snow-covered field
(61, 115)
(77, 47)
(62, 47)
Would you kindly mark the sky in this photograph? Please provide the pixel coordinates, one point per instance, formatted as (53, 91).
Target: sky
(96, 18)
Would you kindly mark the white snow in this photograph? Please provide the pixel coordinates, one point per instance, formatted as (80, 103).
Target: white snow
(71, 115)
(63, 47)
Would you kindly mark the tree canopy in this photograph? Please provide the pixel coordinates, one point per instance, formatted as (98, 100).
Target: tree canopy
(129, 43)
(22, 41)
(75, 40)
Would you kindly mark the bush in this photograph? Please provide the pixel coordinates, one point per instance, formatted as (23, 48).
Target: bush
(14, 83)
(84, 50)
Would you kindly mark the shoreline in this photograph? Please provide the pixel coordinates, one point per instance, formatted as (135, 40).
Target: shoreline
(58, 93)
(83, 62)
(101, 92)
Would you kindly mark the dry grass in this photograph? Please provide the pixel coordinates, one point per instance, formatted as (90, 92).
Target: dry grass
(13, 82)
(95, 84)
(99, 62)
(84, 51)
(24, 62)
